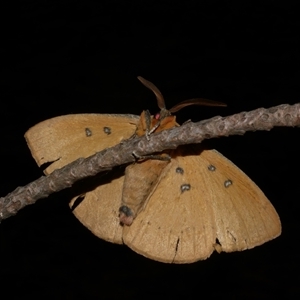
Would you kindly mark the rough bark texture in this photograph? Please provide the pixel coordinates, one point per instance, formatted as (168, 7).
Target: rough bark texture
(238, 124)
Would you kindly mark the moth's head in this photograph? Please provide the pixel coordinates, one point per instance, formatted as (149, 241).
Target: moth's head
(164, 119)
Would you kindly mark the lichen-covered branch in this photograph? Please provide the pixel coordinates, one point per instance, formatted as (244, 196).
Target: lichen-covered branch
(238, 124)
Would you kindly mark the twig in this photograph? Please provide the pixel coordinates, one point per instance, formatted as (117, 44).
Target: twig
(238, 124)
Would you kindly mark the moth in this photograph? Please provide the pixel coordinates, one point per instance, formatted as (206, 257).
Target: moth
(178, 206)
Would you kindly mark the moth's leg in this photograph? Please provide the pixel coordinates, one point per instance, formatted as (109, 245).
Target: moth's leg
(131, 138)
(148, 121)
(153, 129)
(163, 156)
(148, 124)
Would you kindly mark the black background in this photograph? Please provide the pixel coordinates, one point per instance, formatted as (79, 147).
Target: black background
(62, 57)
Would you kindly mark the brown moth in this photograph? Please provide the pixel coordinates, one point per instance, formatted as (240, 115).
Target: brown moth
(177, 206)
(140, 178)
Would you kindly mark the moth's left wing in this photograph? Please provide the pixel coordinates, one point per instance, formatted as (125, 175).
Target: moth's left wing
(63, 139)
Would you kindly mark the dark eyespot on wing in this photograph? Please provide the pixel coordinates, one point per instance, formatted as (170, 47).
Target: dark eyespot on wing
(211, 168)
(179, 170)
(185, 187)
(107, 130)
(88, 132)
(227, 183)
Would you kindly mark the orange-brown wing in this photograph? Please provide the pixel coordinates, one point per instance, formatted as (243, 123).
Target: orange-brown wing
(202, 203)
(244, 217)
(98, 209)
(63, 139)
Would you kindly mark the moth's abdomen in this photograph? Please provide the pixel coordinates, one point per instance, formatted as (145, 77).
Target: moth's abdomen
(140, 179)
